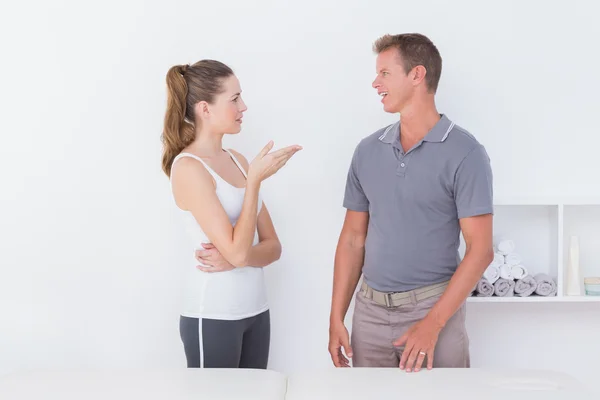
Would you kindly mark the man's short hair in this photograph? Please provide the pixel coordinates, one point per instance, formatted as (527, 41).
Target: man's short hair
(415, 49)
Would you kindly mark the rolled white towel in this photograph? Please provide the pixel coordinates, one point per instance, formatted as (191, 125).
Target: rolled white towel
(506, 246)
(512, 259)
(546, 286)
(506, 272)
(518, 271)
(525, 287)
(492, 273)
(504, 288)
(484, 288)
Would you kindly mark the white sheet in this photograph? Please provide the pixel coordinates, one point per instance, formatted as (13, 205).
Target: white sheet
(329, 383)
(177, 384)
(435, 384)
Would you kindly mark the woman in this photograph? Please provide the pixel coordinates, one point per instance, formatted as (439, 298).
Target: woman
(225, 321)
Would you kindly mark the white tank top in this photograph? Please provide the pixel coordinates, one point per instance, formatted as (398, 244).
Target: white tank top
(229, 295)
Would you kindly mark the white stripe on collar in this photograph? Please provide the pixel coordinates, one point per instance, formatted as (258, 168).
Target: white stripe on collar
(448, 131)
(389, 128)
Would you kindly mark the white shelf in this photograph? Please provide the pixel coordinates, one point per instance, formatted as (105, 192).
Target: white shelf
(547, 201)
(535, 299)
(541, 228)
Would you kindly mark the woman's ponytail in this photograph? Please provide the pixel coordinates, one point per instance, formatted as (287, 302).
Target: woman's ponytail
(187, 85)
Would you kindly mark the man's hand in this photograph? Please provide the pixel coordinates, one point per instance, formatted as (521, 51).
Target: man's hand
(419, 341)
(338, 339)
(212, 259)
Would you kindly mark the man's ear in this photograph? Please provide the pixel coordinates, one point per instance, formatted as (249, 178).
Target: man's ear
(417, 75)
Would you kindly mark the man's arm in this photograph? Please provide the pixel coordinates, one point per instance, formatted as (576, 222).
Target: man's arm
(474, 206)
(478, 234)
(422, 337)
(349, 258)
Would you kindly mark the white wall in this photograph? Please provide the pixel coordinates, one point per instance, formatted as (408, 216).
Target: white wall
(89, 244)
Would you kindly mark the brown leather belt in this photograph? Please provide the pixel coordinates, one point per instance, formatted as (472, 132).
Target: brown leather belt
(402, 298)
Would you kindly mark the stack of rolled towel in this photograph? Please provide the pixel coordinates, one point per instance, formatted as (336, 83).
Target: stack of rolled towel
(506, 276)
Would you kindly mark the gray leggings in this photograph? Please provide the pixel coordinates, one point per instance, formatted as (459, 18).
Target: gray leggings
(212, 343)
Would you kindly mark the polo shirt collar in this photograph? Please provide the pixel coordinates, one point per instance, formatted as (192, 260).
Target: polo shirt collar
(391, 133)
(438, 133)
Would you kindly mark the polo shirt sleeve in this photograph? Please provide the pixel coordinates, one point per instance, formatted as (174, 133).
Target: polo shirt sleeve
(473, 185)
(354, 196)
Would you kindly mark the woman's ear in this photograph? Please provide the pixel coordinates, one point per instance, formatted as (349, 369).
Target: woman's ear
(201, 110)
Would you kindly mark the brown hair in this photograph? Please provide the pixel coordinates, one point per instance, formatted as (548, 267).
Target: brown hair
(415, 49)
(186, 86)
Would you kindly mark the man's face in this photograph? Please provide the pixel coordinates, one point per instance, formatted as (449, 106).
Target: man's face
(392, 82)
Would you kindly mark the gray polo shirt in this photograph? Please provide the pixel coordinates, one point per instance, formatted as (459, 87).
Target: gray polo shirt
(415, 200)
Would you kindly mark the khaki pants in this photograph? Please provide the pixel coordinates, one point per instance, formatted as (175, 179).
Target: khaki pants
(376, 326)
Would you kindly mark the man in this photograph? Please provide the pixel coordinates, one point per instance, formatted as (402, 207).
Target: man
(411, 188)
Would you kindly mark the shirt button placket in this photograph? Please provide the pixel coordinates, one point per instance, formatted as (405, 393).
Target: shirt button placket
(401, 170)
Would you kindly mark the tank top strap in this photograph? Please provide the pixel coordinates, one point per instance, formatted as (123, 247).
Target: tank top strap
(237, 163)
(209, 169)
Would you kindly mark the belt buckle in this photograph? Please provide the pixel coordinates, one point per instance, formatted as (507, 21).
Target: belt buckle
(388, 300)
